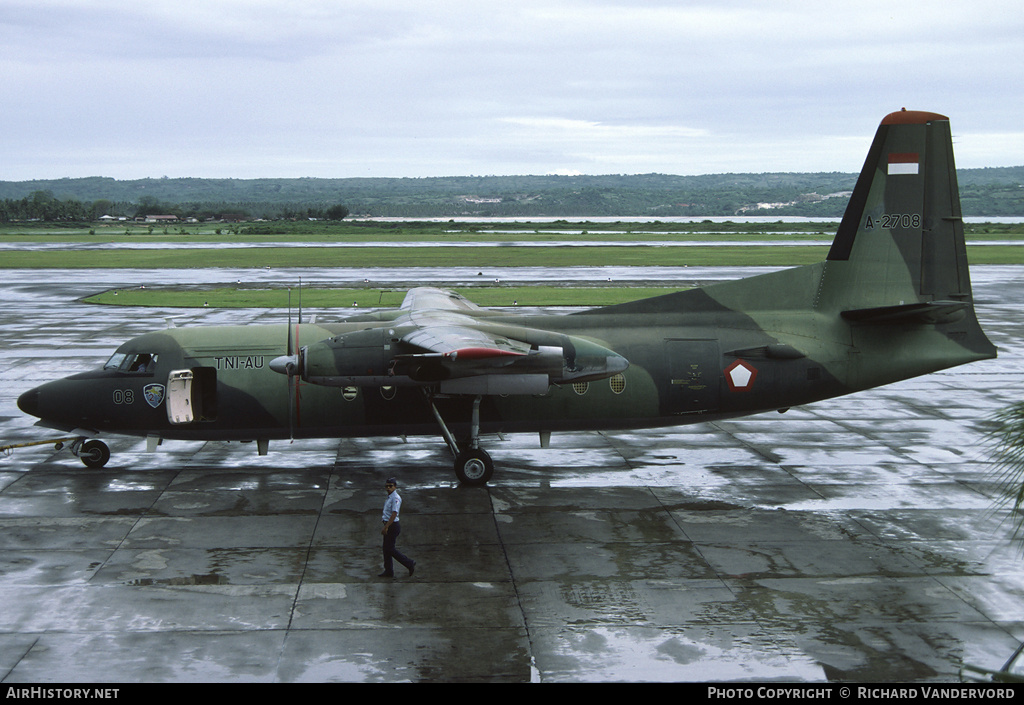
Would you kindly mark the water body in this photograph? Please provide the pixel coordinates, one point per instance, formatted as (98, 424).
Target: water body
(99, 246)
(669, 219)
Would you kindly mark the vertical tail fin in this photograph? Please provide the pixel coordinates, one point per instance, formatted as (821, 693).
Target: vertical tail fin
(899, 255)
(901, 239)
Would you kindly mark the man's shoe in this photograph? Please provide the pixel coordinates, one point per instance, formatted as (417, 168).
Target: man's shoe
(386, 575)
(412, 568)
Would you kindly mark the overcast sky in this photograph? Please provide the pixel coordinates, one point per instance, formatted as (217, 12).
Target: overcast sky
(333, 88)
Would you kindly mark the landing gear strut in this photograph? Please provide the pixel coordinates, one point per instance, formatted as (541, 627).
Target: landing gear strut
(473, 466)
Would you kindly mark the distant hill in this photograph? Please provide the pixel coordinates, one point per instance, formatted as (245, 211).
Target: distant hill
(984, 192)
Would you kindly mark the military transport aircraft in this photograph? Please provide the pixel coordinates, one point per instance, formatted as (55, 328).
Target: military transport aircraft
(891, 301)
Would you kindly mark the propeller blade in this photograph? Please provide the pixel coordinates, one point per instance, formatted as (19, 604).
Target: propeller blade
(291, 409)
(289, 366)
(288, 335)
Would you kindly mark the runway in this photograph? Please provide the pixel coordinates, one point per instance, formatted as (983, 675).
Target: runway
(849, 540)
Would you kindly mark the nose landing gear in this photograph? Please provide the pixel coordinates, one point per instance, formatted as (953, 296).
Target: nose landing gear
(92, 453)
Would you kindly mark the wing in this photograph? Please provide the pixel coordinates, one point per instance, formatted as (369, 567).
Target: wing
(441, 322)
(426, 298)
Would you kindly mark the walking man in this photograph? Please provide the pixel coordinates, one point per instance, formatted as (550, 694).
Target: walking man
(390, 531)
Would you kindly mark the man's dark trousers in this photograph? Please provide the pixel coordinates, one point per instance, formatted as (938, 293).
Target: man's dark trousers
(390, 551)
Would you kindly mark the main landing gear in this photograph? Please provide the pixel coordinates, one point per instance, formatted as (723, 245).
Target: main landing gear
(473, 466)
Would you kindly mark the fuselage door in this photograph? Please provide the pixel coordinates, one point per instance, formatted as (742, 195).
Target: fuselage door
(694, 376)
(179, 397)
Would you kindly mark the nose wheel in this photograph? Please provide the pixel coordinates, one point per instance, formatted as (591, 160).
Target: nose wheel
(92, 453)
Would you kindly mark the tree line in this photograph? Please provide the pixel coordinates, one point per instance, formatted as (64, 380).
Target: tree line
(43, 206)
(984, 192)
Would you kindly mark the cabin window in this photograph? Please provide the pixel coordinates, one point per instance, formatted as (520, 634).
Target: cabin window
(132, 363)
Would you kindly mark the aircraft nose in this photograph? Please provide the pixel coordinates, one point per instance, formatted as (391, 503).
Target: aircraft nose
(29, 402)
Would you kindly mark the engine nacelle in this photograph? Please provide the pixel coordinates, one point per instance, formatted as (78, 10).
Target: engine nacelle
(377, 357)
(359, 358)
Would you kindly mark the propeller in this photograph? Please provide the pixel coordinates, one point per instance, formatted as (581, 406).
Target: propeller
(290, 364)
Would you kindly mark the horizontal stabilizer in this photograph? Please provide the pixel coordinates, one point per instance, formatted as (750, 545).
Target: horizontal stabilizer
(928, 312)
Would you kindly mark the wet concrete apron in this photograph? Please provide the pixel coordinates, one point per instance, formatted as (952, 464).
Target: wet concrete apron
(847, 540)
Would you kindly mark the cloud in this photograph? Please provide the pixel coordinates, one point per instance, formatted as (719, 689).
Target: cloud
(399, 88)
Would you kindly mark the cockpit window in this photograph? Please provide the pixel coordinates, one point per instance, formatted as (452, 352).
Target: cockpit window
(132, 362)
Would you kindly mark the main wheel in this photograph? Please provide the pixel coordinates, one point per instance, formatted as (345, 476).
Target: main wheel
(474, 467)
(94, 454)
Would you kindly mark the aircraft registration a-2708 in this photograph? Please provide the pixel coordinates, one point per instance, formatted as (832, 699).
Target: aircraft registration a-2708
(891, 301)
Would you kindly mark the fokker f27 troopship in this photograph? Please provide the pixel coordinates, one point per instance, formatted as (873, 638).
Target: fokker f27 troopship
(891, 301)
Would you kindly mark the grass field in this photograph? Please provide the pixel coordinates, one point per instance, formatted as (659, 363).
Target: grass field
(433, 244)
(417, 256)
(446, 231)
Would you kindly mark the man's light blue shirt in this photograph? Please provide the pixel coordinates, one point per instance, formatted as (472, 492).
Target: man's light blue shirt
(392, 504)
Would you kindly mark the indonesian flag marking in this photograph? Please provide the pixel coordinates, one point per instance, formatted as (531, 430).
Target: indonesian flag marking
(903, 162)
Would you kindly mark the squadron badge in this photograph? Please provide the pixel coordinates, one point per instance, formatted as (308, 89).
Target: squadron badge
(154, 394)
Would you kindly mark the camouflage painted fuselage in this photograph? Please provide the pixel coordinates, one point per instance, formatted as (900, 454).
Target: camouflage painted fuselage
(892, 301)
